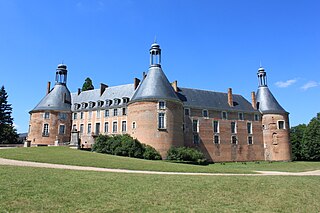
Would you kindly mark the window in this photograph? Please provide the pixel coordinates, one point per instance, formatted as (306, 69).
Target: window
(115, 112)
(187, 112)
(97, 132)
(205, 113)
(124, 111)
(115, 127)
(74, 127)
(162, 105)
(106, 113)
(46, 115)
(249, 128)
(81, 115)
(81, 128)
(216, 126)
(124, 126)
(234, 139)
(196, 139)
(89, 128)
(250, 140)
(281, 125)
(75, 115)
(256, 117)
(233, 127)
(161, 120)
(29, 130)
(240, 116)
(98, 113)
(62, 116)
(91, 104)
(224, 115)
(106, 127)
(125, 100)
(216, 139)
(195, 127)
(45, 131)
(61, 129)
(89, 114)
(134, 125)
(117, 101)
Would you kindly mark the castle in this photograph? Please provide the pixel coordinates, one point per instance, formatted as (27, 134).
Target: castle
(224, 126)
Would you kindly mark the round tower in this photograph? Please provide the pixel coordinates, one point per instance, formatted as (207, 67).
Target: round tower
(50, 120)
(155, 111)
(275, 123)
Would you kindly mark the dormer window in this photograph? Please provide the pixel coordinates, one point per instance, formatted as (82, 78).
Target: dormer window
(162, 105)
(77, 106)
(100, 103)
(91, 104)
(117, 101)
(125, 100)
(109, 102)
(84, 105)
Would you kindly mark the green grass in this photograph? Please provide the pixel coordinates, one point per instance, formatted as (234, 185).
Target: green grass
(26, 189)
(64, 155)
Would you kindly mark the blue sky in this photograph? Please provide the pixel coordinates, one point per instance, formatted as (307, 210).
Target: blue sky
(206, 44)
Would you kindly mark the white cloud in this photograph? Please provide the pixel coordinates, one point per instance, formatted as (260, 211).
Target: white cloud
(310, 84)
(284, 84)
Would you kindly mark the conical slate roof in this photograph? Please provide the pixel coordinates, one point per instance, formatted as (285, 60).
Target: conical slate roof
(267, 103)
(59, 99)
(155, 86)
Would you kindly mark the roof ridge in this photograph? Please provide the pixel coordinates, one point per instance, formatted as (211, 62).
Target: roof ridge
(209, 91)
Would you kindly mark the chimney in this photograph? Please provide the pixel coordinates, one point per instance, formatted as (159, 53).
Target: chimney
(79, 91)
(103, 87)
(136, 82)
(253, 100)
(175, 86)
(230, 98)
(144, 75)
(48, 87)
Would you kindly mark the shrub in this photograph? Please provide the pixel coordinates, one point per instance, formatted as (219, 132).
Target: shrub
(124, 145)
(151, 153)
(186, 154)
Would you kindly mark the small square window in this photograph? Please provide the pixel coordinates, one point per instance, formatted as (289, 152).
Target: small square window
(205, 113)
(250, 141)
(187, 112)
(224, 115)
(46, 115)
(106, 113)
(162, 105)
(216, 139)
(62, 116)
(115, 112)
(281, 125)
(256, 117)
(234, 139)
(134, 125)
(240, 116)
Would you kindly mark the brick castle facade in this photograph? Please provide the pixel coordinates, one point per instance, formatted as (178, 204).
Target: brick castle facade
(224, 126)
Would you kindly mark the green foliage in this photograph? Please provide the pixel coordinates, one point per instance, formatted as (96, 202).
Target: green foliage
(151, 153)
(186, 154)
(296, 138)
(87, 85)
(8, 133)
(305, 140)
(311, 140)
(124, 145)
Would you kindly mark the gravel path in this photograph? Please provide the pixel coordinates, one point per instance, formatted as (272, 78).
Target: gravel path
(86, 168)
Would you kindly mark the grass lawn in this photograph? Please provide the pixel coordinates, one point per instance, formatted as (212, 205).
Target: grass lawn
(26, 189)
(65, 155)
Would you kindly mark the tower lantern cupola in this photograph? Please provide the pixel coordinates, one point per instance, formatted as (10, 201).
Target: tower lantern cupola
(262, 77)
(155, 55)
(61, 74)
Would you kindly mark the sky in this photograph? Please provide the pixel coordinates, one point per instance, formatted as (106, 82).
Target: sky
(206, 44)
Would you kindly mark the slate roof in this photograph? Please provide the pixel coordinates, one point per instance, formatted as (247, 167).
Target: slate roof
(55, 100)
(155, 86)
(195, 98)
(267, 102)
(110, 93)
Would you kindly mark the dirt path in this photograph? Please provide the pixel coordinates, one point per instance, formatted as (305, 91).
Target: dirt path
(86, 168)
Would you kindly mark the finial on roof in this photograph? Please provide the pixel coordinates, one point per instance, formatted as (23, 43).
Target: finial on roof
(155, 39)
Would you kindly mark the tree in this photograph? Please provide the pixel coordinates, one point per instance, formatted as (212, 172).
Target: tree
(296, 138)
(311, 139)
(87, 85)
(8, 133)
